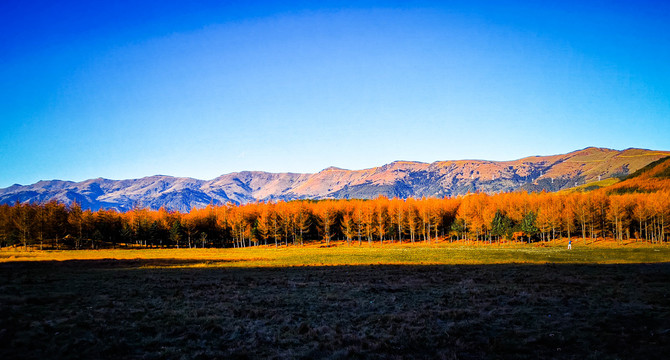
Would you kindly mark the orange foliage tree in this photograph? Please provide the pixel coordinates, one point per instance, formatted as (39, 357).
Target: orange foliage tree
(474, 217)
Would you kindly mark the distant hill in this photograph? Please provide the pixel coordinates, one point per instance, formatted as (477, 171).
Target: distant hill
(653, 177)
(401, 179)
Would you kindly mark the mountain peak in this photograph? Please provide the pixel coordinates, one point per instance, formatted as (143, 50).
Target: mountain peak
(333, 168)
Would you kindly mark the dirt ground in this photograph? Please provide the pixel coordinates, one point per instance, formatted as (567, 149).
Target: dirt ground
(121, 309)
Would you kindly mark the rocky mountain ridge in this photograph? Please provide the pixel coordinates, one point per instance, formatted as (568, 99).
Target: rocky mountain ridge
(398, 179)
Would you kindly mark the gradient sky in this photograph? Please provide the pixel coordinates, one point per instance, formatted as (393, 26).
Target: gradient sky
(126, 89)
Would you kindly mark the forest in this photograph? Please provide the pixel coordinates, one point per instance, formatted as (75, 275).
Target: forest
(475, 218)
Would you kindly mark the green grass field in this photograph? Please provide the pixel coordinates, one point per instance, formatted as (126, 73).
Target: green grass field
(594, 185)
(444, 301)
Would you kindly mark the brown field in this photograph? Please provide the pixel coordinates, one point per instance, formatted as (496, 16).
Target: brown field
(185, 304)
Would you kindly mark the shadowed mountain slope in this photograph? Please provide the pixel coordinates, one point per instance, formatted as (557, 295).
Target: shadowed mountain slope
(398, 179)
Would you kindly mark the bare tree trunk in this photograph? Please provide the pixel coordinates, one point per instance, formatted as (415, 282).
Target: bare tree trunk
(399, 227)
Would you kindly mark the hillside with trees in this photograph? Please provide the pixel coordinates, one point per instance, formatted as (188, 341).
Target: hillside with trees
(477, 218)
(400, 179)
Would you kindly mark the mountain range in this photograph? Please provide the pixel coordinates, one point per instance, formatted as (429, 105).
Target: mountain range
(401, 179)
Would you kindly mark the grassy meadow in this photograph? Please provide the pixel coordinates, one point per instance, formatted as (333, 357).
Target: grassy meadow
(445, 300)
(340, 253)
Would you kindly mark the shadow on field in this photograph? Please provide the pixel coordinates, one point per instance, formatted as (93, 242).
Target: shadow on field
(121, 263)
(97, 309)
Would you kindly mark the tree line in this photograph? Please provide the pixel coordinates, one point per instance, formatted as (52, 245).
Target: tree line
(519, 216)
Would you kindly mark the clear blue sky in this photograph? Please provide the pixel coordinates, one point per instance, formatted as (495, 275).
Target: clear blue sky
(125, 89)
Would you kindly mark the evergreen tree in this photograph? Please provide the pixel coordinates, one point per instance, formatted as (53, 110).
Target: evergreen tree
(175, 232)
(501, 225)
(528, 225)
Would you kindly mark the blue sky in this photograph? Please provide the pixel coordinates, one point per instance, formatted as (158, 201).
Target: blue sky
(199, 88)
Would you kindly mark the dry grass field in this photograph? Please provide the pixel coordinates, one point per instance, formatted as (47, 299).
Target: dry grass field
(443, 301)
(340, 253)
